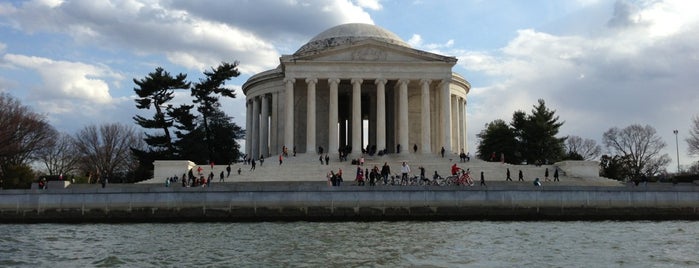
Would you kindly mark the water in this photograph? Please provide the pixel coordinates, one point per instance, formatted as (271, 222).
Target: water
(352, 244)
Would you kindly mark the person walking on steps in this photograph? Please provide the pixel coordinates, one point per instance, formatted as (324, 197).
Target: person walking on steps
(508, 175)
(555, 175)
(482, 179)
(521, 176)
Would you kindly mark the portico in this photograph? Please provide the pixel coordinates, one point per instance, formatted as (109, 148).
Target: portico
(357, 87)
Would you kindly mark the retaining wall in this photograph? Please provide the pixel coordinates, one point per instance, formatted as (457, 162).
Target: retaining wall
(313, 203)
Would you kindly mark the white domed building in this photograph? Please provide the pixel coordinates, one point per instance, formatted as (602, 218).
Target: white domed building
(357, 86)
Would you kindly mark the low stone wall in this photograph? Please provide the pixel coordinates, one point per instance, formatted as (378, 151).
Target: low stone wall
(314, 202)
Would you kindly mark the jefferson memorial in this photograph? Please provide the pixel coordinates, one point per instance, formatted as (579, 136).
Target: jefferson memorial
(357, 86)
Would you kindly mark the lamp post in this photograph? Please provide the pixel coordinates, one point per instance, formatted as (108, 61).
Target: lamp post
(677, 145)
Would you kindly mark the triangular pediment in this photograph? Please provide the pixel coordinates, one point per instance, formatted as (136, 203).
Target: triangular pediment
(370, 50)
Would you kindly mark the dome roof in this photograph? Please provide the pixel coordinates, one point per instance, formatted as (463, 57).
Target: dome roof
(348, 33)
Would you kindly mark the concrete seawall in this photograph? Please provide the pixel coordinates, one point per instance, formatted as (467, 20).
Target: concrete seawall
(260, 202)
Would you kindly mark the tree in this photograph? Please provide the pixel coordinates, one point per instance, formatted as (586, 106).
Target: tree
(23, 133)
(500, 138)
(641, 146)
(206, 95)
(155, 91)
(60, 157)
(693, 140)
(579, 149)
(615, 167)
(106, 150)
(536, 134)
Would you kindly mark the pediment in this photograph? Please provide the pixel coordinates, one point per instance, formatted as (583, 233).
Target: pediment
(368, 51)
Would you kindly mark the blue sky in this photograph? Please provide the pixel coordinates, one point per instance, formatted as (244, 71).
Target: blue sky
(599, 64)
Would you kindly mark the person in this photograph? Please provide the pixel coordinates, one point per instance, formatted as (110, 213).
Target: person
(321, 159)
(546, 175)
(239, 171)
(373, 176)
(252, 164)
(482, 179)
(104, 181)
(436, 176)
(521, 176)
(331, 178)
(415, 148)
(199, 169)
(339, 177)
(320, 150)
(184, 181)
(442, 151)
(468, 157)
(262, 159)
(404, 170)
(228, 171)
(360, 176)
(385, 171)
(167, 182)
(42, 184)
(209, 179)
(327, 159)
(280, 159)
(454, 169)
(221, 176)
(508, 175)
(555, 175)
(361, 160)
(537, 182)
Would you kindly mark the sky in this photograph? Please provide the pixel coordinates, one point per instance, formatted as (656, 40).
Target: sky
(599, 64)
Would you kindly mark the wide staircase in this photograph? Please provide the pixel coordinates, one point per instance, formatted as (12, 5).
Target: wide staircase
(308, 168)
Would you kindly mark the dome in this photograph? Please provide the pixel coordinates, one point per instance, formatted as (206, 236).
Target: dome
(348, 33)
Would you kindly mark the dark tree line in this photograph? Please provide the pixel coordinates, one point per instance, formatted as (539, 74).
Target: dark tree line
(209, 135)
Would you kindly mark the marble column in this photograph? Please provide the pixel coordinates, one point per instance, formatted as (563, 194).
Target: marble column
(311, 116)
(274, 123)
(356, 116)
(455, 119)
(403, 116)
(446, 115)
(425, 113)
(464, 133)
(333, 135)
(255, 153)
(248, 127)
(264, 126)
(380, 113)
(289, 111)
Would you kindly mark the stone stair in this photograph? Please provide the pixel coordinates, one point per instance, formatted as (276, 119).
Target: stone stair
(307, 167)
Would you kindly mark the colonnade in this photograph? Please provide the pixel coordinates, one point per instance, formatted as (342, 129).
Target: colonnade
(443, 125)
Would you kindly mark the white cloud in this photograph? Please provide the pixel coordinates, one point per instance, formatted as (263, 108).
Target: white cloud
(370, 4)
(66, 80)
(196, 35)
(638, 72)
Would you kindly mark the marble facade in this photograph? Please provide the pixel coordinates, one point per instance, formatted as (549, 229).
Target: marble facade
(320, 95)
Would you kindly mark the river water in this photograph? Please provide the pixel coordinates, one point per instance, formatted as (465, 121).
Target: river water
(353, 244)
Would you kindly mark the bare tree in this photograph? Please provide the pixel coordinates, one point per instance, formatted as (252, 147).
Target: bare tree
(640, 145)
(22, 134)
(693, 140)
(107, 149)
(60, 157)
(587, 148)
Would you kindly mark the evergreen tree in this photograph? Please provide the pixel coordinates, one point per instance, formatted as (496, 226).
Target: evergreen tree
(498, 137)
(537, 134)
(206, 96)
(155, 91)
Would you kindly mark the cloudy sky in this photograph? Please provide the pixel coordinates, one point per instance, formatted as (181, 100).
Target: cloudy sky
(599, 64)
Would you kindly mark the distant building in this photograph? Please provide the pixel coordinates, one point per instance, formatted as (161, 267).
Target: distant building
(320, 95)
